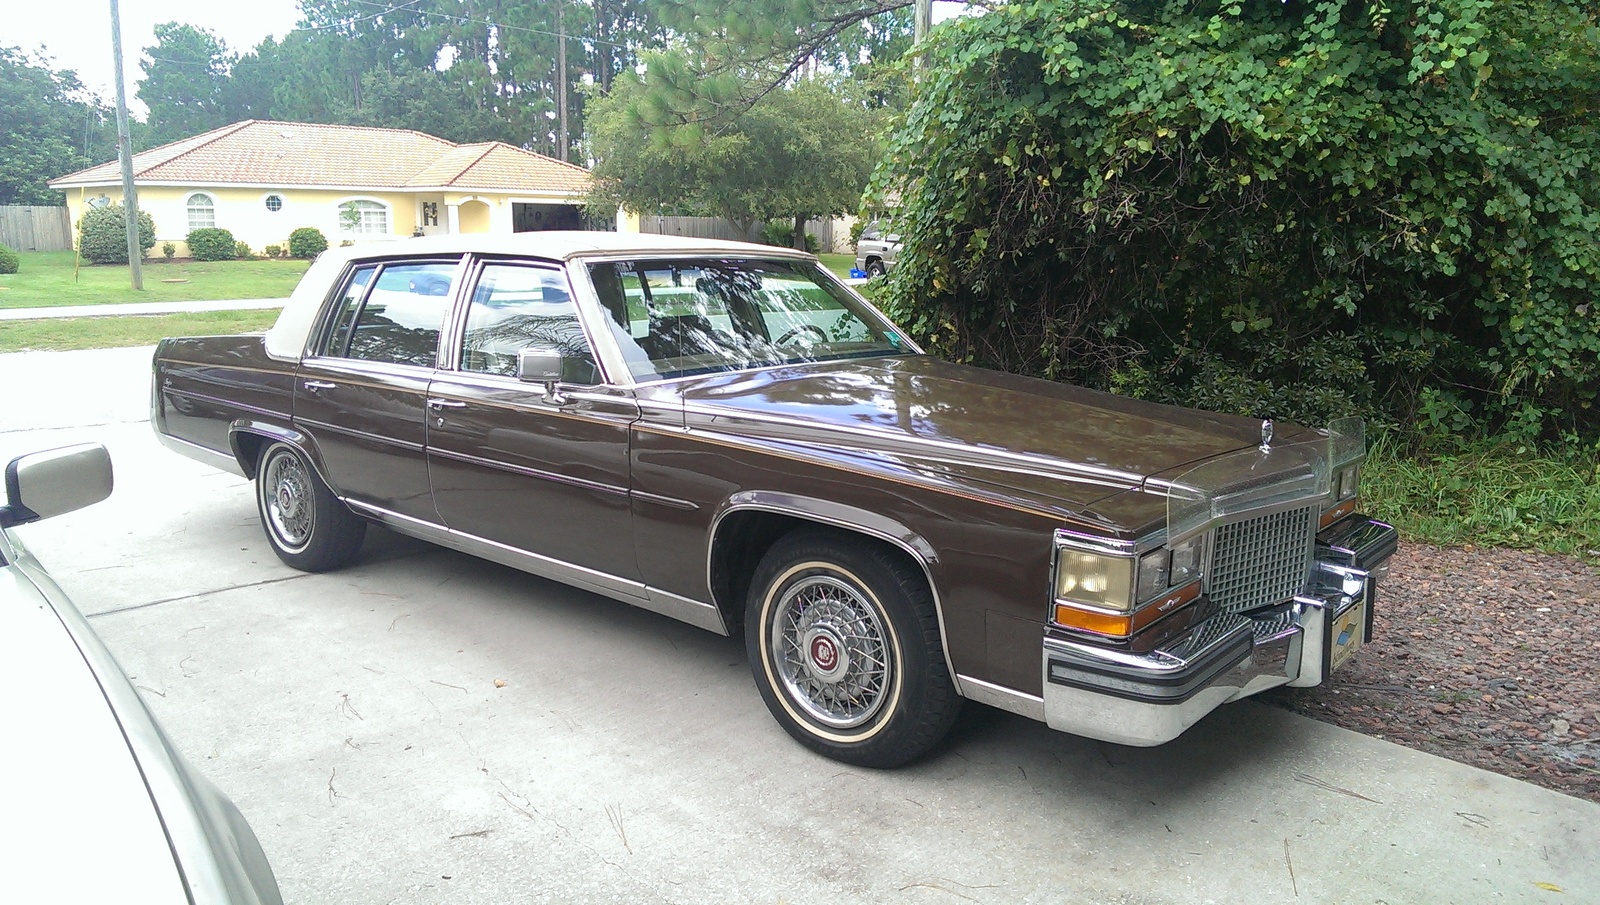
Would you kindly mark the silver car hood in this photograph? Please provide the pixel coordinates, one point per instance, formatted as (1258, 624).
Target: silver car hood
(115, 812)
(77, 802)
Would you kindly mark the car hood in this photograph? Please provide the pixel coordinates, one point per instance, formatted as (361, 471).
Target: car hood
(78, 800)
(1050, 446)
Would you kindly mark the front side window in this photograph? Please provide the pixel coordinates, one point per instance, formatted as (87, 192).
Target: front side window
(202, 211)
(392, 313)
(673, 318)
(516, 307)
(363, 218)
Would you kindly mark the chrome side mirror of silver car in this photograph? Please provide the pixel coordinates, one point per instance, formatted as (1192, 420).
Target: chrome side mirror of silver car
(46, 484)
(544, 366)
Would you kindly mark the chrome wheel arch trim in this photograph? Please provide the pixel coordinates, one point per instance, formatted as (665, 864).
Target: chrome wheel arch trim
(848, 518)
(272, 433)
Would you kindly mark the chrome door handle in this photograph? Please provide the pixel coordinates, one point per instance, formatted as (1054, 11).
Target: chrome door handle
(440, 404)
(314, 385)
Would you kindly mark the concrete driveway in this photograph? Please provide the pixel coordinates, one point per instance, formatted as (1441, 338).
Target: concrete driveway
(425, 727)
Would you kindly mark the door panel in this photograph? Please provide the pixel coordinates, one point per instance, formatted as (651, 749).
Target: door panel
(362, 398)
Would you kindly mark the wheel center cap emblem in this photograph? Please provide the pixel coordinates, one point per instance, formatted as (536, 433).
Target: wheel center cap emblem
(824, 653)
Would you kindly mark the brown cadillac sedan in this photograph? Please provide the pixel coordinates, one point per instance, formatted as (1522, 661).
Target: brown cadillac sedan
(727, 435)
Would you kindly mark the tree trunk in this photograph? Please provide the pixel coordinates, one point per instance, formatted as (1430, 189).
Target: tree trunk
(799, 237)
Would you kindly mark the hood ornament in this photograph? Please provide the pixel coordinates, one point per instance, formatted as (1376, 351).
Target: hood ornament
(1266, 436)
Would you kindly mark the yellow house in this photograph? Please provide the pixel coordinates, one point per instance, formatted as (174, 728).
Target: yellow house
(262, 180)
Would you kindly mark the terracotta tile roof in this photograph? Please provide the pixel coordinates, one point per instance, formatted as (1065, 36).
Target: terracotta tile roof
(497, 165)
(258, 152)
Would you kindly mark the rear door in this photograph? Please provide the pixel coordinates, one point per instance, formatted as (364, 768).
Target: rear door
(362, 391)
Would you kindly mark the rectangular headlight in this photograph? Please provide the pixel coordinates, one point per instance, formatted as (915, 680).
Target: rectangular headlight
(1348, 484)
(1185, 562)
(1152, 574)
(1095, 580)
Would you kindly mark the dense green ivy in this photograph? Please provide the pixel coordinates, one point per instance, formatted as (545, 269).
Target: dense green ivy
(1282, 208)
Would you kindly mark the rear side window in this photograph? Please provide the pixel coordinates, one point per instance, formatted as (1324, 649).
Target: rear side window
(349, 306)
(393, 313)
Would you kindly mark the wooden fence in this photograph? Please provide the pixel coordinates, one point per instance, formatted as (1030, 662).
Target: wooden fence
(828, 232)
(28, 228)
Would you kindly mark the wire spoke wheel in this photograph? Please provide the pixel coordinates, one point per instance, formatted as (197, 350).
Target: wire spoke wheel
(844, 644)
(829, 644)
(290, 500)
(308, 527)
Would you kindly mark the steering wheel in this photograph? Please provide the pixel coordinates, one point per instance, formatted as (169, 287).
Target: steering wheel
(786, 338)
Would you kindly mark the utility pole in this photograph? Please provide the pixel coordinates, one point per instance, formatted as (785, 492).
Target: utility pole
(921, 21)
(130, 200)
(561, 77)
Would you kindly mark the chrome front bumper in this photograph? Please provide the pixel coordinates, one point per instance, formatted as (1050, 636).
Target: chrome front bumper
(1150, 697)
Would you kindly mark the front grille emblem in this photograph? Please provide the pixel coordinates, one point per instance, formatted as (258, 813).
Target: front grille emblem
(1266, 436)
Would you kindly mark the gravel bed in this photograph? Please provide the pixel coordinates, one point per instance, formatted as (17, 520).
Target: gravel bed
(1484, 656)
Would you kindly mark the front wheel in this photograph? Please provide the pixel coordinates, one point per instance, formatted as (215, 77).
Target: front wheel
(308, 527)
(843, 641)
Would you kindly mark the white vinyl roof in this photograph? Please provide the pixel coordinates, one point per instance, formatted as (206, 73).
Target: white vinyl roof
(287, 338)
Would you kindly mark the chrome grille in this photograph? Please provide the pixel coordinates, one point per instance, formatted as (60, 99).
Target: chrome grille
(1261, 561)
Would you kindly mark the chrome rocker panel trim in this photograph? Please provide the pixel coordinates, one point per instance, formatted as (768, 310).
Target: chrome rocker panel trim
(1146, 699)
(218, 460)
(683, 609)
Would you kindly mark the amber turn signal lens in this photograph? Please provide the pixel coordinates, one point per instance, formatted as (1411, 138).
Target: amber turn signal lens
(1123, 625)
(1338, 512)
(1099, 623)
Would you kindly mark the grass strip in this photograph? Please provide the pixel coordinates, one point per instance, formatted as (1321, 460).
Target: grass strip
(1489, 497)
(63, 334)
(45, 280)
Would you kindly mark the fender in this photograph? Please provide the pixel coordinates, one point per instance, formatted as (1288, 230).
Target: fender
(273, 432)
(850, 518)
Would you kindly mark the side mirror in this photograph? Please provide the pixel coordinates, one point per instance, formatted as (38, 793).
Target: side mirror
(539, 365)
(46, 484)
(543, 366)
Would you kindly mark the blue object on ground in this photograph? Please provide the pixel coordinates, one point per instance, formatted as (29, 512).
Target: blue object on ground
(857, 273)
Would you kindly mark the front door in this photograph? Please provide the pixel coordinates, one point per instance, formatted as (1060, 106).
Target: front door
(542, 476)
(361, 394)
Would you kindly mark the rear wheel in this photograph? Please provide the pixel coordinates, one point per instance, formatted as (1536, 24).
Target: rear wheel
(875, 268)
(843, 641)
(308, 527)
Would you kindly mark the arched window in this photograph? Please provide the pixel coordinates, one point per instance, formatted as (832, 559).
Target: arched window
(362, 217)
(202, 211)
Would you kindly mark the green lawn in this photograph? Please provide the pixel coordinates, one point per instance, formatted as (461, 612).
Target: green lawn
(113, 332)
(45, 280)
(839, 264)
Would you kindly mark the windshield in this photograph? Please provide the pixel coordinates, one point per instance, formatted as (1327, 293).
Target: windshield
(674, 318)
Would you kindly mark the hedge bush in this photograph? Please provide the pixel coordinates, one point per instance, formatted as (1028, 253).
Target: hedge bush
(9, 262)
(781, 234)
(1284, 209)
(212, 243)
(103, 239)
(307, 242)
